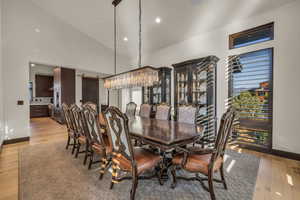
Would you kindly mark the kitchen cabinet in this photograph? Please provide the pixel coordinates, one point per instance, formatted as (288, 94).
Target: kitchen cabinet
(43, 86)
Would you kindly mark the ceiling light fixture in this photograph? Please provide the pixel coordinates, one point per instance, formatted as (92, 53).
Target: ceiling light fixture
(139, 77)
(125, 39)
(158, 20)
(32, 65)
(37, 30)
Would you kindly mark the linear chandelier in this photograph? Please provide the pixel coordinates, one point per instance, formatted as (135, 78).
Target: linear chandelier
(140, 77)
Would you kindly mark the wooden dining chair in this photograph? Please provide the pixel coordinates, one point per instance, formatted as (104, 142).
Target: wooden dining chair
(206, 161)
(145, 110)
(130, 109)
(99, 143)
(163, 112)
(187, 114)
(82, 136)
(92, 105)
(126, 158)
(72, 137)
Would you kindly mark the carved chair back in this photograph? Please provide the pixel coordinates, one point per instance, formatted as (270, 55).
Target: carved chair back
(67, 116)
(225, 130)
(92, 125)
(118, 132)
(163, 112)
(187, 114)
(145, 110)
(77, 119)
(91, 104)
(130, 109)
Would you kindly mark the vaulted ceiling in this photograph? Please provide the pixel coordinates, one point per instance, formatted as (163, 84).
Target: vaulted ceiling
(180, 19)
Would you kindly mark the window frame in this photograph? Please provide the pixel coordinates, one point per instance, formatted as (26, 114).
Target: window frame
(234, 36)
(268, 148)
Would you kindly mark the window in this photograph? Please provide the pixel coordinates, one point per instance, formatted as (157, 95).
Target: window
(252, 36)
(137, 97)
(250, 92)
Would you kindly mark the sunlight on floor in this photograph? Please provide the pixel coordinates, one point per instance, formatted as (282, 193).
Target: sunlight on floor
(230, 166)
(289, 179)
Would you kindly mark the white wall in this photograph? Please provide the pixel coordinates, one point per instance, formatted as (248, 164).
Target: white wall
(1, 81)
(56, 44)
(286, 45)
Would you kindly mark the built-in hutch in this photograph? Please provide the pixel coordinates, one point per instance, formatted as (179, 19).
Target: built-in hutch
(195, 84)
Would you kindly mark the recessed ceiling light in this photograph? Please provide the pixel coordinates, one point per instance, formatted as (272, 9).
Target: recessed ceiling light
(125, 39)
(32, 65)
(37, 30)
(158, 20)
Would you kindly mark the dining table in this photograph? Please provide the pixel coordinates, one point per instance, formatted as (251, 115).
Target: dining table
(163, 134)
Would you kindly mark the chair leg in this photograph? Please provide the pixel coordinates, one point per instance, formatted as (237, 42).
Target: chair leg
(77, 149)
(223, 177)
(102, 167)
(68, 142)
(74, 145)
(114, 175)
(86, 153)
(91, 160)
(134, 186)
(211, 186)
(173, 173)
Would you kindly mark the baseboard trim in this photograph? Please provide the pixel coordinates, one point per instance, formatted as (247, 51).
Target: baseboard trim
(285, 154)
(16, 140)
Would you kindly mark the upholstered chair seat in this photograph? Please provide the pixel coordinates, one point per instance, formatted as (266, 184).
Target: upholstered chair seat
(145, 160)
(198, 162)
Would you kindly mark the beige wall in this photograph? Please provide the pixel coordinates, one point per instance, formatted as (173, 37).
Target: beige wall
(286, 45)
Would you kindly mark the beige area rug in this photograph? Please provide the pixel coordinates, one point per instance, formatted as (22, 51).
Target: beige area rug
(49, 172)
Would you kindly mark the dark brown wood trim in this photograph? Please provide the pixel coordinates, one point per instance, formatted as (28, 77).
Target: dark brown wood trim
(285, 154)
(249, 31)
(16, 140)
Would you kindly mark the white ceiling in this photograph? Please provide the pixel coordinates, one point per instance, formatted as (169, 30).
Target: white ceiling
(180, 19)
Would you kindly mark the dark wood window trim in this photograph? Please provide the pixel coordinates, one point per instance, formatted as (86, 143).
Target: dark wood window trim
(232, 37)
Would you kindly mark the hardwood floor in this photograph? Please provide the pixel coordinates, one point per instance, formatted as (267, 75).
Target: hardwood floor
(278, 178)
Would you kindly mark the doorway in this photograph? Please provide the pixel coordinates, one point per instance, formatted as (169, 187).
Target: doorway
(90, 90)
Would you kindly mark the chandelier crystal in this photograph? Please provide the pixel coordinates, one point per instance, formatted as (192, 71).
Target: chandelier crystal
(140, 77)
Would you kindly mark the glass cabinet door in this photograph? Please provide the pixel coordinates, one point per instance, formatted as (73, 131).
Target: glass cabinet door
(199, 87)
(182, 87)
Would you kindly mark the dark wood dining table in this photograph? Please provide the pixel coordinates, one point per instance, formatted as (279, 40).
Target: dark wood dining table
(163, 134)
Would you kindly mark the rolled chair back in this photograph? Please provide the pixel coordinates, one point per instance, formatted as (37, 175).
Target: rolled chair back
(187, 114)
(67, 117)
(130, 109)
(224, 132)
(118, 132)
(92, 105)
(77, 119)
(145, 110)
(92, 125)
(163, 112)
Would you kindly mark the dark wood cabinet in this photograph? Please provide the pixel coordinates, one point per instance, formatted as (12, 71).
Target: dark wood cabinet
(39, 111)
(160, 92)
(64, 90)
(43, 86)
(195, 84)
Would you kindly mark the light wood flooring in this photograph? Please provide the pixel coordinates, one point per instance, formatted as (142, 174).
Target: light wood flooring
(278, 178)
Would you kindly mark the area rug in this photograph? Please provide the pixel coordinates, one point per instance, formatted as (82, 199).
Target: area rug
(49, 172)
